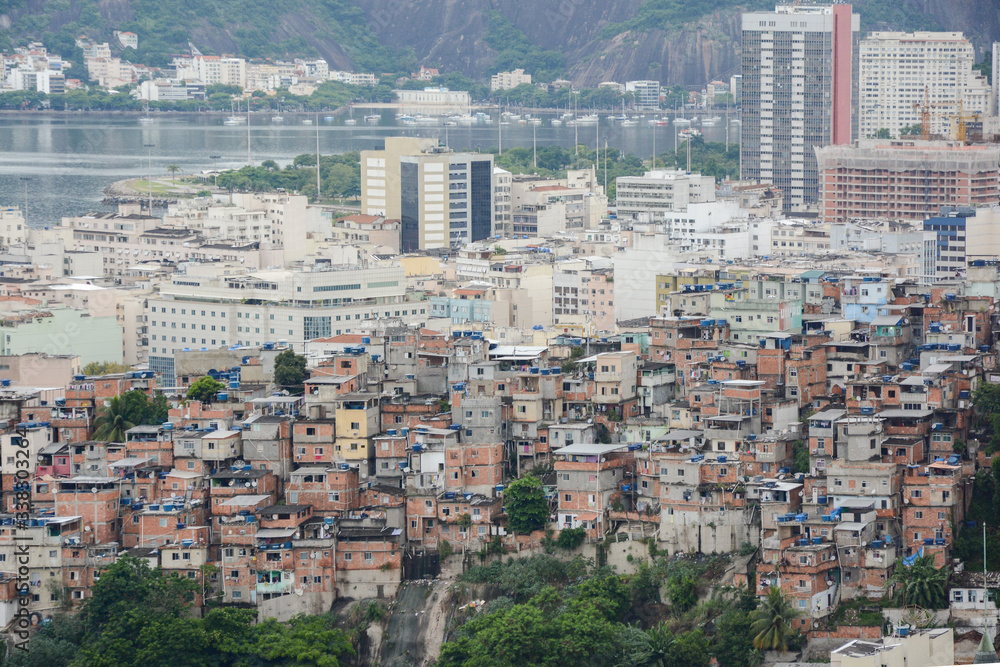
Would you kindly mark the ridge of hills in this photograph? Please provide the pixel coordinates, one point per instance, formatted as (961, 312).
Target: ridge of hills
(683, 42)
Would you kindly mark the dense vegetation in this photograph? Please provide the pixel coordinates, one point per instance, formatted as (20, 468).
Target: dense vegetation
(543, 611)
(340, 176)
(710, 158)
(330, 95)
(252, 28)
(141, 617)
(515, 50)
(290, 370)
(133, 408)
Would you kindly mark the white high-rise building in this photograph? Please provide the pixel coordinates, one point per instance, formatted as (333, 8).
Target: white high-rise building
(798, 90)
(995, 97)
(647, 93)
(659, 192)
(901, 71)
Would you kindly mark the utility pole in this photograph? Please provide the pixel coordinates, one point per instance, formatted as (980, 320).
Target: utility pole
(318, 187)
(534, 146)
(149, 174)
(605, 167)
(249, 159)
(653, 163)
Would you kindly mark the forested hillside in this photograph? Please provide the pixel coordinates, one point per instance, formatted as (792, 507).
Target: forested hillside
(675, 41)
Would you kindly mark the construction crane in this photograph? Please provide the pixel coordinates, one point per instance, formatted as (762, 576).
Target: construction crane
(925, 114)
(961, 120)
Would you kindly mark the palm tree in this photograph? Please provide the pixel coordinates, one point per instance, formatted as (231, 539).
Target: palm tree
(772, 622)
(660, 639)
(173, 169)
(112, 421)
(921, 583)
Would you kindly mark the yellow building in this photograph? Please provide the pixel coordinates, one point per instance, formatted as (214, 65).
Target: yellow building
(357, 420)
(380, 175)
(665, 284)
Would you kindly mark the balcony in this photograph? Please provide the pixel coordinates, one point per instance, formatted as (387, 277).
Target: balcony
(275, 582)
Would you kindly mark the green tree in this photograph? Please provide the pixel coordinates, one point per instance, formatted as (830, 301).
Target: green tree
(289, 369)
(55, 643)
(571, 538)
(205, 389)
(986, 403)
(883, 133)
(526, 505)
(112, 420)
(173, 169)
(129, 583)
(733, 644)
(921, 584)
(771, 626)
(306, 640)
(800, 456)
(105, 368)
(682, 591)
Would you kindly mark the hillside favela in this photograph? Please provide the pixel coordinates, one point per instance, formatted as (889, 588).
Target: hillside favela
(385, 333)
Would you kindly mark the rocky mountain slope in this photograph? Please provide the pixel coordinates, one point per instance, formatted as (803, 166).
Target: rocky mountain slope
(676, 41)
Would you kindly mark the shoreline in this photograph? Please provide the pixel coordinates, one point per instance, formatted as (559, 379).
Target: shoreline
(381, 106)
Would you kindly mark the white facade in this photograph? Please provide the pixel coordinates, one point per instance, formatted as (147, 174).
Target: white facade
(657, 192)
(507, 80)
(12, 231)
(899, 71)
(221, 305)
(433, 101)
(502, 181)
(226, 71)
(647, 93)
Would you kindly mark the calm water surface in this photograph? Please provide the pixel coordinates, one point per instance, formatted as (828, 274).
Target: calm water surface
(64, 162)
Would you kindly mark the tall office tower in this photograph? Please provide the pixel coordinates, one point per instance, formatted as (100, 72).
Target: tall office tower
(445, 199)
(901, 72)
(380, 174)
(799, 90)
